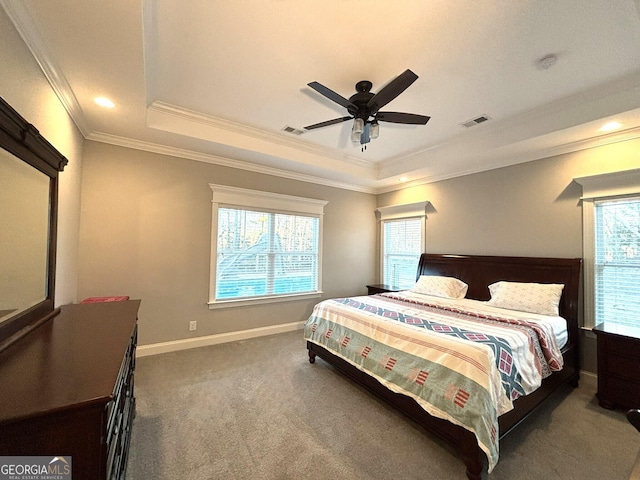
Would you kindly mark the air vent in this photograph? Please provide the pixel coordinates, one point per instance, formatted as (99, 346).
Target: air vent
(293, 131)
(475, 121)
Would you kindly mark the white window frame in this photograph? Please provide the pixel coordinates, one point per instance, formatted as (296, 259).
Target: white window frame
(243, 198)
(402, 212)
(595, 188)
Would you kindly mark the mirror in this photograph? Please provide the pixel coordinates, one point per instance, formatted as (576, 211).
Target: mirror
(29, 167)
(24, 206)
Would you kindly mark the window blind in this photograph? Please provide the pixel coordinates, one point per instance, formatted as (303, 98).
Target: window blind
(263, 253)
(402, 248)
(617, 261)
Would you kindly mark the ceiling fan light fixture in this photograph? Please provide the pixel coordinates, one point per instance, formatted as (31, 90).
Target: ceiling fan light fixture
(358, 126)
(374, 130)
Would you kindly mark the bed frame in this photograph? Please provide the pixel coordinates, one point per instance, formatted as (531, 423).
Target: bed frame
(479, 272)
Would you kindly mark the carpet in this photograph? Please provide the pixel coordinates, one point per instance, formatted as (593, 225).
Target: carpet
(257, 409)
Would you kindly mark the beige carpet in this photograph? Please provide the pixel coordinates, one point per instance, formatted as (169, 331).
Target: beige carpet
(257, 409)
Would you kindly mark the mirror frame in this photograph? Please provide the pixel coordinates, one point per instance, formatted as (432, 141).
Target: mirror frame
(21, 139)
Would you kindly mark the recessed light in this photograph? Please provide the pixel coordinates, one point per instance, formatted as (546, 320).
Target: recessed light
(403, 179)
(104, 102)
(609, 126)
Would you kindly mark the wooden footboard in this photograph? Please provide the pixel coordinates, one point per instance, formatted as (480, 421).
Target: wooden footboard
(461, 439)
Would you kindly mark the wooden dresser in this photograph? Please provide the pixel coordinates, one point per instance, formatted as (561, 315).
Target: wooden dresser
(67, 389)
(618, 365)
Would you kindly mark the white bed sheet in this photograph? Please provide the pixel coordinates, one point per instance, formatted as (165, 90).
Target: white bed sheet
(558, 324)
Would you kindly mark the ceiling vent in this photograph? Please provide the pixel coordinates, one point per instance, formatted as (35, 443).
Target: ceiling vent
(475, 121)
(293, 131)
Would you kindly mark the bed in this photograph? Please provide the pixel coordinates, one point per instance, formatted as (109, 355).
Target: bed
(484, 403)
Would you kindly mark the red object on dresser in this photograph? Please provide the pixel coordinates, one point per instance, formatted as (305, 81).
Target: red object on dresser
(121, 298)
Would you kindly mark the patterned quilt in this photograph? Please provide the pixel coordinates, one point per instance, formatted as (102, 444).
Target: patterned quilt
(462, 364)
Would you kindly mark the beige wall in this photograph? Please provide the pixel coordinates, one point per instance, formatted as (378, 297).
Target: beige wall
(146, 217)
(26, 89)
(146, 229)
(146, 226)
(531, 209)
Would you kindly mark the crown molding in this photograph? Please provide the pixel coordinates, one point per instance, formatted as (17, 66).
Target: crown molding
(600, 141)
(585, 144)
(249, 131)
(19, 15)
(524, 157)
(582, 107)
(222, 161)
(622, 88)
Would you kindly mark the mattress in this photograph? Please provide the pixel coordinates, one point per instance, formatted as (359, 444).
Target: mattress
(461, 360)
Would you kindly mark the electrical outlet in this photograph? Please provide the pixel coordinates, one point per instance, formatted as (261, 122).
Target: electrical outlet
(192, 325)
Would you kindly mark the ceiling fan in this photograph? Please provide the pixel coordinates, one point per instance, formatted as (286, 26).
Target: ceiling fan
(364, 107)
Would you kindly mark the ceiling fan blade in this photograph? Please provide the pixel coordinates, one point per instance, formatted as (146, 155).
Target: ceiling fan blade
(391, 90)
(331, 95)
(327, 123)
(398, 117)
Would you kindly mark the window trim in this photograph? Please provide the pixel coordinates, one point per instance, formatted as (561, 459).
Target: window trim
(606, 186)
(402, 212)
(227, 196)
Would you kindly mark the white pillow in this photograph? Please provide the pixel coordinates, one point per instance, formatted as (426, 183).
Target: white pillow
(447, 287)
(541, 298)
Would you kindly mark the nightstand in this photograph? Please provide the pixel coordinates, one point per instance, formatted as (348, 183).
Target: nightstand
(618, 365)
(381, 288)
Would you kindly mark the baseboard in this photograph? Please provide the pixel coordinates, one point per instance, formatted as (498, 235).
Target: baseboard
(590, 377)
(187, 343)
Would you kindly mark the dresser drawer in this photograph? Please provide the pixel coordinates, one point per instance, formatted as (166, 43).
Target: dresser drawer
(629, 347)
(618, 365)
(624, 367)
(621, 392)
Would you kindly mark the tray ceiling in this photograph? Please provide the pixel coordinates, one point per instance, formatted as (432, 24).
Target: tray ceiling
(218, 81)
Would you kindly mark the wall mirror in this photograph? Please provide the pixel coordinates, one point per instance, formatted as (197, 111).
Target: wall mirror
(29, 168)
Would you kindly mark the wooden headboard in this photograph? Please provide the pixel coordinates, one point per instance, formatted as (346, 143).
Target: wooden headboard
(479, 271)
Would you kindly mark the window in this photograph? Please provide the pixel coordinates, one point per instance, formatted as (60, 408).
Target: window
(611, 234)
(402, 242)
(264, 246)
(617, 261)
(402, 245)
